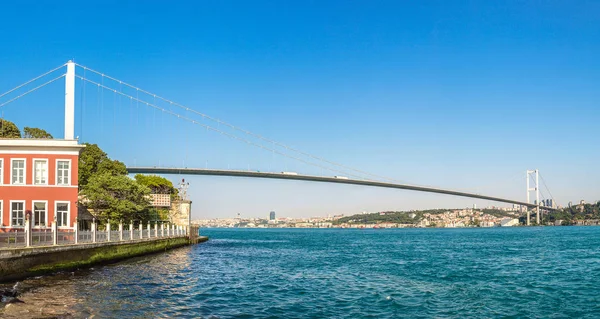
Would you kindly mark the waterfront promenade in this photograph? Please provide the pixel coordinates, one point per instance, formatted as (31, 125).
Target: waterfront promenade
(30, 237)
(30, 253)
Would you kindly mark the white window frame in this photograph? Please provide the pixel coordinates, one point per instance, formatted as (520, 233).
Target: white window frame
(12, 160)
(2, 169)
(11, 213)
(34, 170)
(33, 213)
(1, 213)
(68, 212)
(70, 171)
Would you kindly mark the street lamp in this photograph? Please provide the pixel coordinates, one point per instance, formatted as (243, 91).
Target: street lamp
(183, 186)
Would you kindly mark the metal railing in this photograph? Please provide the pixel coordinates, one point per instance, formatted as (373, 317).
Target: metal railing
(28, 237)
(65, 237)
(84, 236)
(101, 236)
(14, 239)
(42, 238)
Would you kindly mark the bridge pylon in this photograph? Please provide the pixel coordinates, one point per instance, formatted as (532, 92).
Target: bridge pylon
(536, 189)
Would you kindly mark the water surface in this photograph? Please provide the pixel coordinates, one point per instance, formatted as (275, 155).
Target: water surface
(551, 272)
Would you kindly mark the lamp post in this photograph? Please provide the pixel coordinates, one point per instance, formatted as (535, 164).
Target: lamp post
(183, 186)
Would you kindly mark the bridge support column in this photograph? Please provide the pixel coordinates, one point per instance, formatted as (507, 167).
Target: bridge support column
(70, 101)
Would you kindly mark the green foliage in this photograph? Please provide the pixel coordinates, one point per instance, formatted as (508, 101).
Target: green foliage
(34, 132)
(495, 212)
(8, 129)
(157, 184)
(117, 197)
(93, 160)
(570, 215)
(386, 217)
(404, 217)
(155, 214)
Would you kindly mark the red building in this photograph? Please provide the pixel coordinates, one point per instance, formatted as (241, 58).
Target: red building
(38, 178)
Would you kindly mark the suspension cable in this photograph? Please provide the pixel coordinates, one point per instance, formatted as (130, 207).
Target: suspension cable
(258, 136)
(208, 127)
(546, 186)
(32, 80)
(32, 90)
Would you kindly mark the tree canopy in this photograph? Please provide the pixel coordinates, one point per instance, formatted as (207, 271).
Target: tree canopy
(34, 132)
(9, 129)
(94, 160)
(116, 197)
(157, 184)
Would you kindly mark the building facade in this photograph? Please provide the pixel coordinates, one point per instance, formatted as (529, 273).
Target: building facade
(38, 180)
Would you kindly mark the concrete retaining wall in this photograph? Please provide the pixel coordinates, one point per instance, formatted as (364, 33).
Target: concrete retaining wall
(19, 263)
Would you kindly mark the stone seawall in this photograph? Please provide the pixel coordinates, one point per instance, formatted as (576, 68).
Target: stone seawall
(19, 263)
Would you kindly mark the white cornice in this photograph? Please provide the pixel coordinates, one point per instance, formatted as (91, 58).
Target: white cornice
(39, 146)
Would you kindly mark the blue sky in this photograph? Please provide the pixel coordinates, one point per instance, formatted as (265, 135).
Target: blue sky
(454, 94)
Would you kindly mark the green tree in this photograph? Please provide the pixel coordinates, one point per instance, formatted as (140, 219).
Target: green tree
(157, 184)
(94, 160)
(34, 132)
(112, 167)
(116, 197)
(8, 129)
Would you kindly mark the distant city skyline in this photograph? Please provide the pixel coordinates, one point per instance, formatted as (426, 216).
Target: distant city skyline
(456, 95)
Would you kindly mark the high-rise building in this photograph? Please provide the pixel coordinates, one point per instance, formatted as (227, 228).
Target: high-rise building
(272, 216)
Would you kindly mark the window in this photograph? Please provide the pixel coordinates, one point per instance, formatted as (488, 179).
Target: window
(62, 172)
(40, 174)
(39, 214)
(62, 214)
(18, 171)
(17, 213)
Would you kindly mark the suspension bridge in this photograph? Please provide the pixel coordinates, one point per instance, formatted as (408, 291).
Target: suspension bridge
(175, 121)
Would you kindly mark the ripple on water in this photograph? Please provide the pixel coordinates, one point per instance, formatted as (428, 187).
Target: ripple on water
(511, 273)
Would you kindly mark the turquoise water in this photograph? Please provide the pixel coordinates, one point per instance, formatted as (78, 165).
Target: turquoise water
(551, 272)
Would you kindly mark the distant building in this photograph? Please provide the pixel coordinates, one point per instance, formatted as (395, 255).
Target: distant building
(508, 222)
(272, 216)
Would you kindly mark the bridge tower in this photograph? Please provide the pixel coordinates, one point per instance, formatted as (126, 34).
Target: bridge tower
(70, 101)
(531, 173)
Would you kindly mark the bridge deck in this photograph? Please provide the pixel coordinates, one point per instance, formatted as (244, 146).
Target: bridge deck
(325, 179)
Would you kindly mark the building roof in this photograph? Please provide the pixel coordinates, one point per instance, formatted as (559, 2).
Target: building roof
(25, 145)
(83, 213)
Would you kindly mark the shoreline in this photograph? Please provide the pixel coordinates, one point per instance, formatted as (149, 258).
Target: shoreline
(17, 264)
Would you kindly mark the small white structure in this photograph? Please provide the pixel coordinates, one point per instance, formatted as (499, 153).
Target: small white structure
(509, 222)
